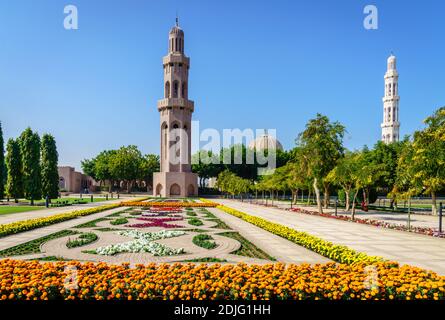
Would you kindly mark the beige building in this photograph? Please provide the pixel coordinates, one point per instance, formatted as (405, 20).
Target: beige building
(72, 181)
(176, 177)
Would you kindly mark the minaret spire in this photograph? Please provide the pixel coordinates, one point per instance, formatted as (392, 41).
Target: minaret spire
(391, 125)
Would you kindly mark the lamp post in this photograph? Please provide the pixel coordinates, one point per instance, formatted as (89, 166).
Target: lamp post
(336, 205)
(409, 214)
(440, 218)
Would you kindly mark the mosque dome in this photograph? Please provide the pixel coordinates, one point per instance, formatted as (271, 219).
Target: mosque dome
(265, 142)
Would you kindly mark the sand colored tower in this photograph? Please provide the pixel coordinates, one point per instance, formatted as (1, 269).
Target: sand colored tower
(176, 177)
(391, 125)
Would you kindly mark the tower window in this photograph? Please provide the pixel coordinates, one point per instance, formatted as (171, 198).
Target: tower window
(175, 89)
(184, 90)
(167, 89)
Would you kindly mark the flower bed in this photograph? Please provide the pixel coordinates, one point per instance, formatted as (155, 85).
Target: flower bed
(26, 225)
(168, 219)
(325, 248)
(157, 222)
(144, 242)
(28, 280)
(170, 204)
(422, 230)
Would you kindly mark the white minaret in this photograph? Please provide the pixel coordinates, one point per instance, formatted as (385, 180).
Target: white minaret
(391, 125)
(176, 177)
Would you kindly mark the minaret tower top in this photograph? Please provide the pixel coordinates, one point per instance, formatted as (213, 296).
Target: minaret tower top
(391, 125)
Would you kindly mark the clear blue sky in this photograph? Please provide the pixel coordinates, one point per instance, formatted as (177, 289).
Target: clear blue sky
(254, 64)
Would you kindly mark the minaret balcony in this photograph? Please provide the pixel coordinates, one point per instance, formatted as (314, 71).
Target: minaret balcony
(176, 58)
(176, 102)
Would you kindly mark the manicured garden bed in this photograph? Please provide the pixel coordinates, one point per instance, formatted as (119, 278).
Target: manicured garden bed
(204, 241)
(82, 240)
(218, 282)
(325, 248)
(34, 245)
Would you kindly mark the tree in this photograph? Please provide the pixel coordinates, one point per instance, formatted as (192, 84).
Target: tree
(102, 168)
(429, 156)
(88, 168)
(50, 174)
(126, 164)
(322, 147)
(238, 161)
(14, 183)
(30, 152)
(342, 175)
(206, 164)
(364, 174)
(149, 165)
(2, 164)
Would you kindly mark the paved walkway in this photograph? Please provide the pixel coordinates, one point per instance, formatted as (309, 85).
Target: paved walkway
(15, 239)
(406, 248)
(417, 220)
(281, 249)
(13, 217)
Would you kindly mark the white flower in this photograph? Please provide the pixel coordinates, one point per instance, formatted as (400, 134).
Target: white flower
(144, 242)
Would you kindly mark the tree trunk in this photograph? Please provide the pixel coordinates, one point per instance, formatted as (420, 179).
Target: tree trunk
(433, 203)
(309, 197)
(326, 197)
(353, 205)
(317, 194)
(347, 200)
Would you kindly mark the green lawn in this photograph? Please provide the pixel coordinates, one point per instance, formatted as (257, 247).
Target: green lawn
(17, 209)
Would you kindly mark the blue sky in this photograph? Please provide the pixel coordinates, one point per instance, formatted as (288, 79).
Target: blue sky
(254, 64)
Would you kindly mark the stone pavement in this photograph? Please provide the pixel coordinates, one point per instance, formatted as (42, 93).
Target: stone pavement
(406, 248)
(281, 249)
(13, 217)
(15, 239)
(417, 220)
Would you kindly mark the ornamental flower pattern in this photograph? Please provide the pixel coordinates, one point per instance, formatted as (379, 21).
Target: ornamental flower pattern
(144, 242)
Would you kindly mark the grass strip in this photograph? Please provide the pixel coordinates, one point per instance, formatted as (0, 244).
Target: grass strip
(248, 249)
(34, 245)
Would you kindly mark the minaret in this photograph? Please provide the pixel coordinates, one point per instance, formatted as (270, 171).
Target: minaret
(175, 178)
(391, 125)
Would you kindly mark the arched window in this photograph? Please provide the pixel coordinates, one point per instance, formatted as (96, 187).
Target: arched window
(184, 90)
(175, 89)
(167, 89)
(165, 138)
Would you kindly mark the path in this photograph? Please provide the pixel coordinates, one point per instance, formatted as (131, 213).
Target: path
(417, 220)
(13, 217)
(15, 239)
(406, 248)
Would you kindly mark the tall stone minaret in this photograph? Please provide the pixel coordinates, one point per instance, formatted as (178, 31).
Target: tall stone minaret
(175, 178)
(391, 125)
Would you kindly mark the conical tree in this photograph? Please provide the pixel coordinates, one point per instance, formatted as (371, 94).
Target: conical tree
(30, 151)
(14, 184)
(50, 175)
(2, 164)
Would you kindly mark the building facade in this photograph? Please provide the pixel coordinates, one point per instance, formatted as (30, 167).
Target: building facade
(72, 181)
(391, 125)
(176, 177)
